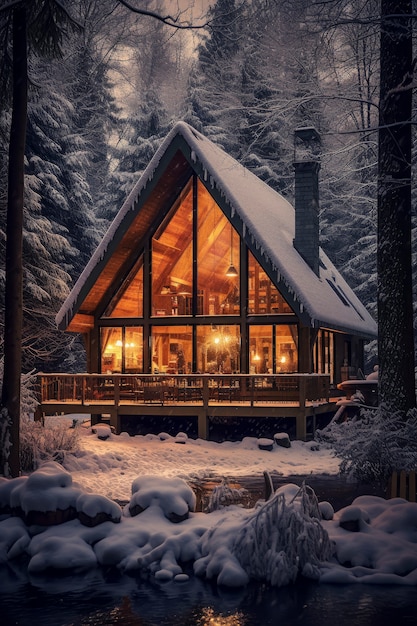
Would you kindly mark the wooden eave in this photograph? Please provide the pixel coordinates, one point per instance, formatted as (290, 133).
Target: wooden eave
(170, 177)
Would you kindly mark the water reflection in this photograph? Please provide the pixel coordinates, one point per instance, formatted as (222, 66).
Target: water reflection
(108, 598)
(209, 618)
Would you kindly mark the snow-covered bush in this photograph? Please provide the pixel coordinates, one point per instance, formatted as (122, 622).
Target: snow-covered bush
(224, 495)
(284, 538)
(28, 404)
(28, 397)
(280, 540)
(39, 443)
(372, 447)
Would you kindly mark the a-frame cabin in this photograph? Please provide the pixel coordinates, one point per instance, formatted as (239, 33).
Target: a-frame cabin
(207, 270)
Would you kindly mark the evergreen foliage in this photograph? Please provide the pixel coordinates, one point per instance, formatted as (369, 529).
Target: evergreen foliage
(143, 132)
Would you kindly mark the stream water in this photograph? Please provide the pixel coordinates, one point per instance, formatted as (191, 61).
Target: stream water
(100, 599)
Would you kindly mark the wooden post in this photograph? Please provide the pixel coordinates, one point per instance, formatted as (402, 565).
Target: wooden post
(83, 390)
(300, 426)
(202, 426)
(115, 421)
(205, 393)
(116, 391)
(302, 388)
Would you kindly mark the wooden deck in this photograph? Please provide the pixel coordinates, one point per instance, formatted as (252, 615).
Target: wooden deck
(203, 396)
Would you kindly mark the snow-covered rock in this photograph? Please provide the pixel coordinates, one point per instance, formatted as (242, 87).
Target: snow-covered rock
(46, 497)
(93, 510)
(172, 495)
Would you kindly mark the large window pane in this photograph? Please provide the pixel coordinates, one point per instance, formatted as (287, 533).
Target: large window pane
(171, 349)
(218, 263)
(172, 262)
(218, 349)
(133, 350)
(111, 350)
(286, 342)
(273, 349)
(263, 296)
(261, 353)
(121, 350)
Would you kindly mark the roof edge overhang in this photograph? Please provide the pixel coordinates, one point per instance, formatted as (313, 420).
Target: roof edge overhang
(116, 231)
(184, 139)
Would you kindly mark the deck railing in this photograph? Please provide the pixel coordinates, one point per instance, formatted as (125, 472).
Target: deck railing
(204, 389)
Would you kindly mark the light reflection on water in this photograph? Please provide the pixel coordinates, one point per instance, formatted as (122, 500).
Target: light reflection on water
(97, 599)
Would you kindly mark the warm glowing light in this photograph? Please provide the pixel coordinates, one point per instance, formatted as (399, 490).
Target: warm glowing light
(256, 357)
(216, 340)
(210, 618)
(232, 271)
(119, 343)
(283, 359)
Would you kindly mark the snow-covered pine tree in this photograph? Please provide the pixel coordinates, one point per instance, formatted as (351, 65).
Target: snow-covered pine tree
(213, 101)
(349, 162)
(144, 131)
(59, 225)
(262, 136)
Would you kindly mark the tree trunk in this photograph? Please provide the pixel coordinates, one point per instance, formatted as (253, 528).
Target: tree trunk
(395, 310)
(13, 315)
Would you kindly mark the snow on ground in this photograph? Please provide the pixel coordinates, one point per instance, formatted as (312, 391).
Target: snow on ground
(109, 467)
(63, 520)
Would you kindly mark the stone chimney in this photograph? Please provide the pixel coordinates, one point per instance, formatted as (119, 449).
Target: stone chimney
(306, 166)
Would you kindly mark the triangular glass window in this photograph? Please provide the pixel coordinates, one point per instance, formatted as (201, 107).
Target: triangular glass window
(128, 302)
(263, 297)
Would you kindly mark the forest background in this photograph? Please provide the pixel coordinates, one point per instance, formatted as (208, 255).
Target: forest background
(259, 70)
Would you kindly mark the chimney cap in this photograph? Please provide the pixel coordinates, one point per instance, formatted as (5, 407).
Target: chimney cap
(307, 133)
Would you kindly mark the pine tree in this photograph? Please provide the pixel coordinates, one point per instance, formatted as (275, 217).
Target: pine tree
(213, 103)
(42, 23)
(349, 166)
(58, 230)
(143, 133)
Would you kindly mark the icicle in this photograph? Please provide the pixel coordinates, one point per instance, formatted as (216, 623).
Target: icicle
(193, 156)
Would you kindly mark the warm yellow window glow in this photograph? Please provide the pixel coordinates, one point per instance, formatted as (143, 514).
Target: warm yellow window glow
(218, 349)
(122, 350)
(172, 261)
(273, 349)
(128, 301)
(171, 349)
(286, 342)
(218, 259)
(263, 296)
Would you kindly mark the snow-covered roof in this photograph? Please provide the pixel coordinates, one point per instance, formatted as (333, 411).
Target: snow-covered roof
(267, 223)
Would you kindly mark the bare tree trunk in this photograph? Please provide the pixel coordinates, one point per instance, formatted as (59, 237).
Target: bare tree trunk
(395, 310)
(13, 316)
